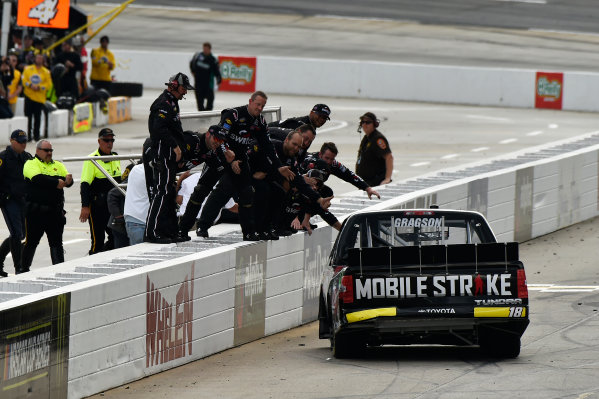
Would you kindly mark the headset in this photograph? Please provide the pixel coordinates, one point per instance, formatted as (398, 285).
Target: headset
(174, 81)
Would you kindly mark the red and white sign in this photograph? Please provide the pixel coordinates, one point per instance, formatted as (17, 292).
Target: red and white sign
(238, 73)
(44, 13)
(549, 90)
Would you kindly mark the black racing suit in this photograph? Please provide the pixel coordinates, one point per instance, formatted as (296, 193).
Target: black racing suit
(279, 190)
(240, 129)
(312, 161)
(214, 168)
(291, 123)
(204, 68)
(166, 133)
(280, 133)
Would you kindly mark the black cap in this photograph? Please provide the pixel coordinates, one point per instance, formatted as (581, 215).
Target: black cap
(19, 135)
(316, 174)
(180, 79)
(369, 116)
(103, 38)
(322, 109)
(192, 143)
(215, 131)
(106, 132)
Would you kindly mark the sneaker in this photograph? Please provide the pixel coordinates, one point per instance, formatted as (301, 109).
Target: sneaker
(200, 232)
(182, 236)
(251, 237)
(273, 234)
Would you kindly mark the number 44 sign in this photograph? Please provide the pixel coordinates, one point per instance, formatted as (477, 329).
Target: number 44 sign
(44, 13)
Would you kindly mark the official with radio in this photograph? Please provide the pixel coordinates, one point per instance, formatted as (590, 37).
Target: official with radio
(375, 161)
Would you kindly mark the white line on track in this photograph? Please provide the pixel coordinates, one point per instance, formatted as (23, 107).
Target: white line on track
(488, 118)
(507, 141)
(157, 7)
(479, 149)
(336, 126)
(535, 133)
(358, 18)
(525, 1)
(415, 165)
(553, 126)
(562, 288)
(449, 156)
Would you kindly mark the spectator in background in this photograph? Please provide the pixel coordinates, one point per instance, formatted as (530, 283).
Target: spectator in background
(69, 82)
(36, 81)
(136, 205)
(204, 67)
(94, 190)
(6, 78)
(375, 161)
(15, 87)
(102, 65)
(46, 180)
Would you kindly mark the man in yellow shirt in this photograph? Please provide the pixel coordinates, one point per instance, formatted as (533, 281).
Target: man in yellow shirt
(45, 180)
(94, 191)
(36, 81)
(102, 64)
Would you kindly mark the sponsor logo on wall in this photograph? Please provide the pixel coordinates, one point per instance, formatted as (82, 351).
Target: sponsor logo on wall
(34, 349)
(250, 293)
(238, 73)
(549, 89)
(169, 321)
(478, 193)
(316, 257)
(523, 205)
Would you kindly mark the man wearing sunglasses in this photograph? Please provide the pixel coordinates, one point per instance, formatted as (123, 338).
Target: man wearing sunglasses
(94, 193)
(375, 161)
(45, 180)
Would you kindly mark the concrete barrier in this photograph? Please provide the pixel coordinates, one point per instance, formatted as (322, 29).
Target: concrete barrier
(147, 308)
(503, 87)
(7, 126)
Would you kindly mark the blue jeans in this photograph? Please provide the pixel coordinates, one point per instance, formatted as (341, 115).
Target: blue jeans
(135, 230)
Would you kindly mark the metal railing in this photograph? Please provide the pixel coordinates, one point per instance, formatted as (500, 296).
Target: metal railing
(106, 158)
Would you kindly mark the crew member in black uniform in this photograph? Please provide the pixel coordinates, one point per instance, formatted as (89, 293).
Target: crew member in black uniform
(203, 152)
(94, 193)
(240, 126)
(319, 115)
(268, 219)
(204, 67)
(326, 162)
(166, 134)
(45, 180)
(309, 209)
(12, 197)
(308, 135)
(375, 161)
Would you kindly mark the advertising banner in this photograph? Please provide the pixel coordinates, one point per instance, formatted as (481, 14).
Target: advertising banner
(316, 256)
(238, 73)
(34, 349)
(549, 90)
(169, 319)
(44, 13)
(250, 293)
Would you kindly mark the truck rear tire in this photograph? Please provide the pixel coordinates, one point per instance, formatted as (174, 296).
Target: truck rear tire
(500, 344)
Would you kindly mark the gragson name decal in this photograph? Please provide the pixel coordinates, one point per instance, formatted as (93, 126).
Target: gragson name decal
(434, 286)
(418, 222)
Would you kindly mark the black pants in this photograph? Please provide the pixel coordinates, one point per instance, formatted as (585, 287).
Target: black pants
(210, 176)
(33, 110)
(101, 84)
(162, 215)
(98, 225)
(204, 93)
(268, 204)
(13, 211)
(42, 219)
(231, 185)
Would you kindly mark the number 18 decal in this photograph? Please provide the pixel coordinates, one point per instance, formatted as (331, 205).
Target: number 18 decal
(517, 311)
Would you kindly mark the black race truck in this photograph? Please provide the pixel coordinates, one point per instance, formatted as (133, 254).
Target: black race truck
(423, 276)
